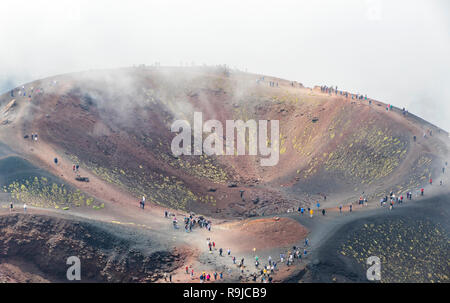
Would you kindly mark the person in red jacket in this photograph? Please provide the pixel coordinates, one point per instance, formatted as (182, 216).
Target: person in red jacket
(421, 191)
(431, 181)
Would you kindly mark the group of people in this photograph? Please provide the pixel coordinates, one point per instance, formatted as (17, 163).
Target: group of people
(288, 258)
(34, 137)
(260, 80)
(189, 221)
(142, 202)
(329, 90)
(429, 132)
(275, 84)
(310, 210)
(362, 201)
(204, 277)
(393, 200)
(22, 92)
(404, 111)
(264, 272)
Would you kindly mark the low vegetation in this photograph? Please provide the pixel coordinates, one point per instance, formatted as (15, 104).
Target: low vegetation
(40, 192)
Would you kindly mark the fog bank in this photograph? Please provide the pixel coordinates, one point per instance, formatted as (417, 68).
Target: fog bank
(394, 51)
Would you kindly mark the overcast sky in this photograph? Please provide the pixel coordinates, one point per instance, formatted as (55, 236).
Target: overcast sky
(394, 51)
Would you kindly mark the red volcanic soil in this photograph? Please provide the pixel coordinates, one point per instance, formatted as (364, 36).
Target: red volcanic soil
(262, 234)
